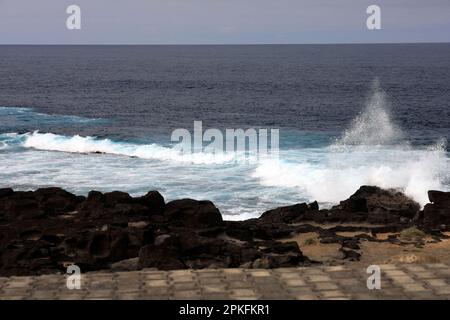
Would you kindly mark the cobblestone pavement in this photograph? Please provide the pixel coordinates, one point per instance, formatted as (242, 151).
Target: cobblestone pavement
(426, 281)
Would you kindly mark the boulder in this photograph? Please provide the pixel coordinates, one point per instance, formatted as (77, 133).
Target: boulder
(193, 213)
(439, 197)
(153, 200)
(374, 200)
(436, 216)
(284, 214)
(163, 255)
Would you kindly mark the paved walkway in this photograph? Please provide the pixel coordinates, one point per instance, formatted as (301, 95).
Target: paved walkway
(430, 281)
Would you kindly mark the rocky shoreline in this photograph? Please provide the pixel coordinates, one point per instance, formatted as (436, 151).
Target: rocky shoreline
(46, 230)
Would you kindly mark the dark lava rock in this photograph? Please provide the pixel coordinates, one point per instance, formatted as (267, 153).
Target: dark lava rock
(436, 216)
(439, 197)
(390, 205)
(45, 230)
(193, 213)
(284, 214)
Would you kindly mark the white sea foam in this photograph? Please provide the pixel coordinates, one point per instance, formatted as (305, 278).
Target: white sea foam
(79, 144)
(372, 151)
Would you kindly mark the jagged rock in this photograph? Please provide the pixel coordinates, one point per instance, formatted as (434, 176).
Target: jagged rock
(42, 231)
(436, 216)
(152, 200)
(163, 255)
(375, 200)
(6, 192)
(284, 214)
(439, 197)
(192, 213)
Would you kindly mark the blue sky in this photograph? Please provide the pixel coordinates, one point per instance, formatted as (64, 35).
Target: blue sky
(223, 21)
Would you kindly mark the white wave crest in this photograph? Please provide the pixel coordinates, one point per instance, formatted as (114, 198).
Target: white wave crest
(79, 144)
(372, 151)
(413, 171)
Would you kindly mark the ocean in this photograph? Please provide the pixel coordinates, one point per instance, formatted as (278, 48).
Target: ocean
(101, 117)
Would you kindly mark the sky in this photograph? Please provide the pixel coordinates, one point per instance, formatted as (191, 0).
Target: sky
(223, 21)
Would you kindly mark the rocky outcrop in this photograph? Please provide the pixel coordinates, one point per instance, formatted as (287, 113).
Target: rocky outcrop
(45, 230)
(436, 215)
(380, 205)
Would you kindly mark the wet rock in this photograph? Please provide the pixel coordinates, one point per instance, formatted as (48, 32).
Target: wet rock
(375, 200)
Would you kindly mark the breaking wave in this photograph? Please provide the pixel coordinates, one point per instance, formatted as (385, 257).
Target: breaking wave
(88, 144)
(372, 151)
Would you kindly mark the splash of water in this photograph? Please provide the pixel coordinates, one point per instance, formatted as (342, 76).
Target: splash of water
(374, 125)
(373, 151)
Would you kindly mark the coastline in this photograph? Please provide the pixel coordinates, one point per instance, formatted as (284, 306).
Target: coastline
(45, 231)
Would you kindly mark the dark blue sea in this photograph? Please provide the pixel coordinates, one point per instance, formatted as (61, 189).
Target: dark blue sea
(101, 117)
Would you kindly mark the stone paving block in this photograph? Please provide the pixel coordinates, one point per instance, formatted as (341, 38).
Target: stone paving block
(156, 283)
(100, 294)
(184, 286)
(214, 288)
(313, 272)
(259, 273)
(43, 295)
(154, 275)
(201, 274)
(183, 272)
(73, 296)
(437, 266)
(187, 294)
(443, 272)
(236, 277)
(239, 284)
(233, 271)
(403, 280)
(290, 275)
(349, 282)
(425, 275)
(332, 294)
(335, 269)
(129, 296)
(215, 296)
(242, 292)
(436, 282)
(395, 273)
(414, 287)
(319, 278)
(417, 281)
(387, 267)
(245, 297)
(415, 268)
(368, 295)
(443, 291)
(295, 282)
(209, 281)
(325, 286)
(306, 297)
(180, 279)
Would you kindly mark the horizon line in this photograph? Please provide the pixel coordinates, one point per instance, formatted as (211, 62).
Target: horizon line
(219, 44)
